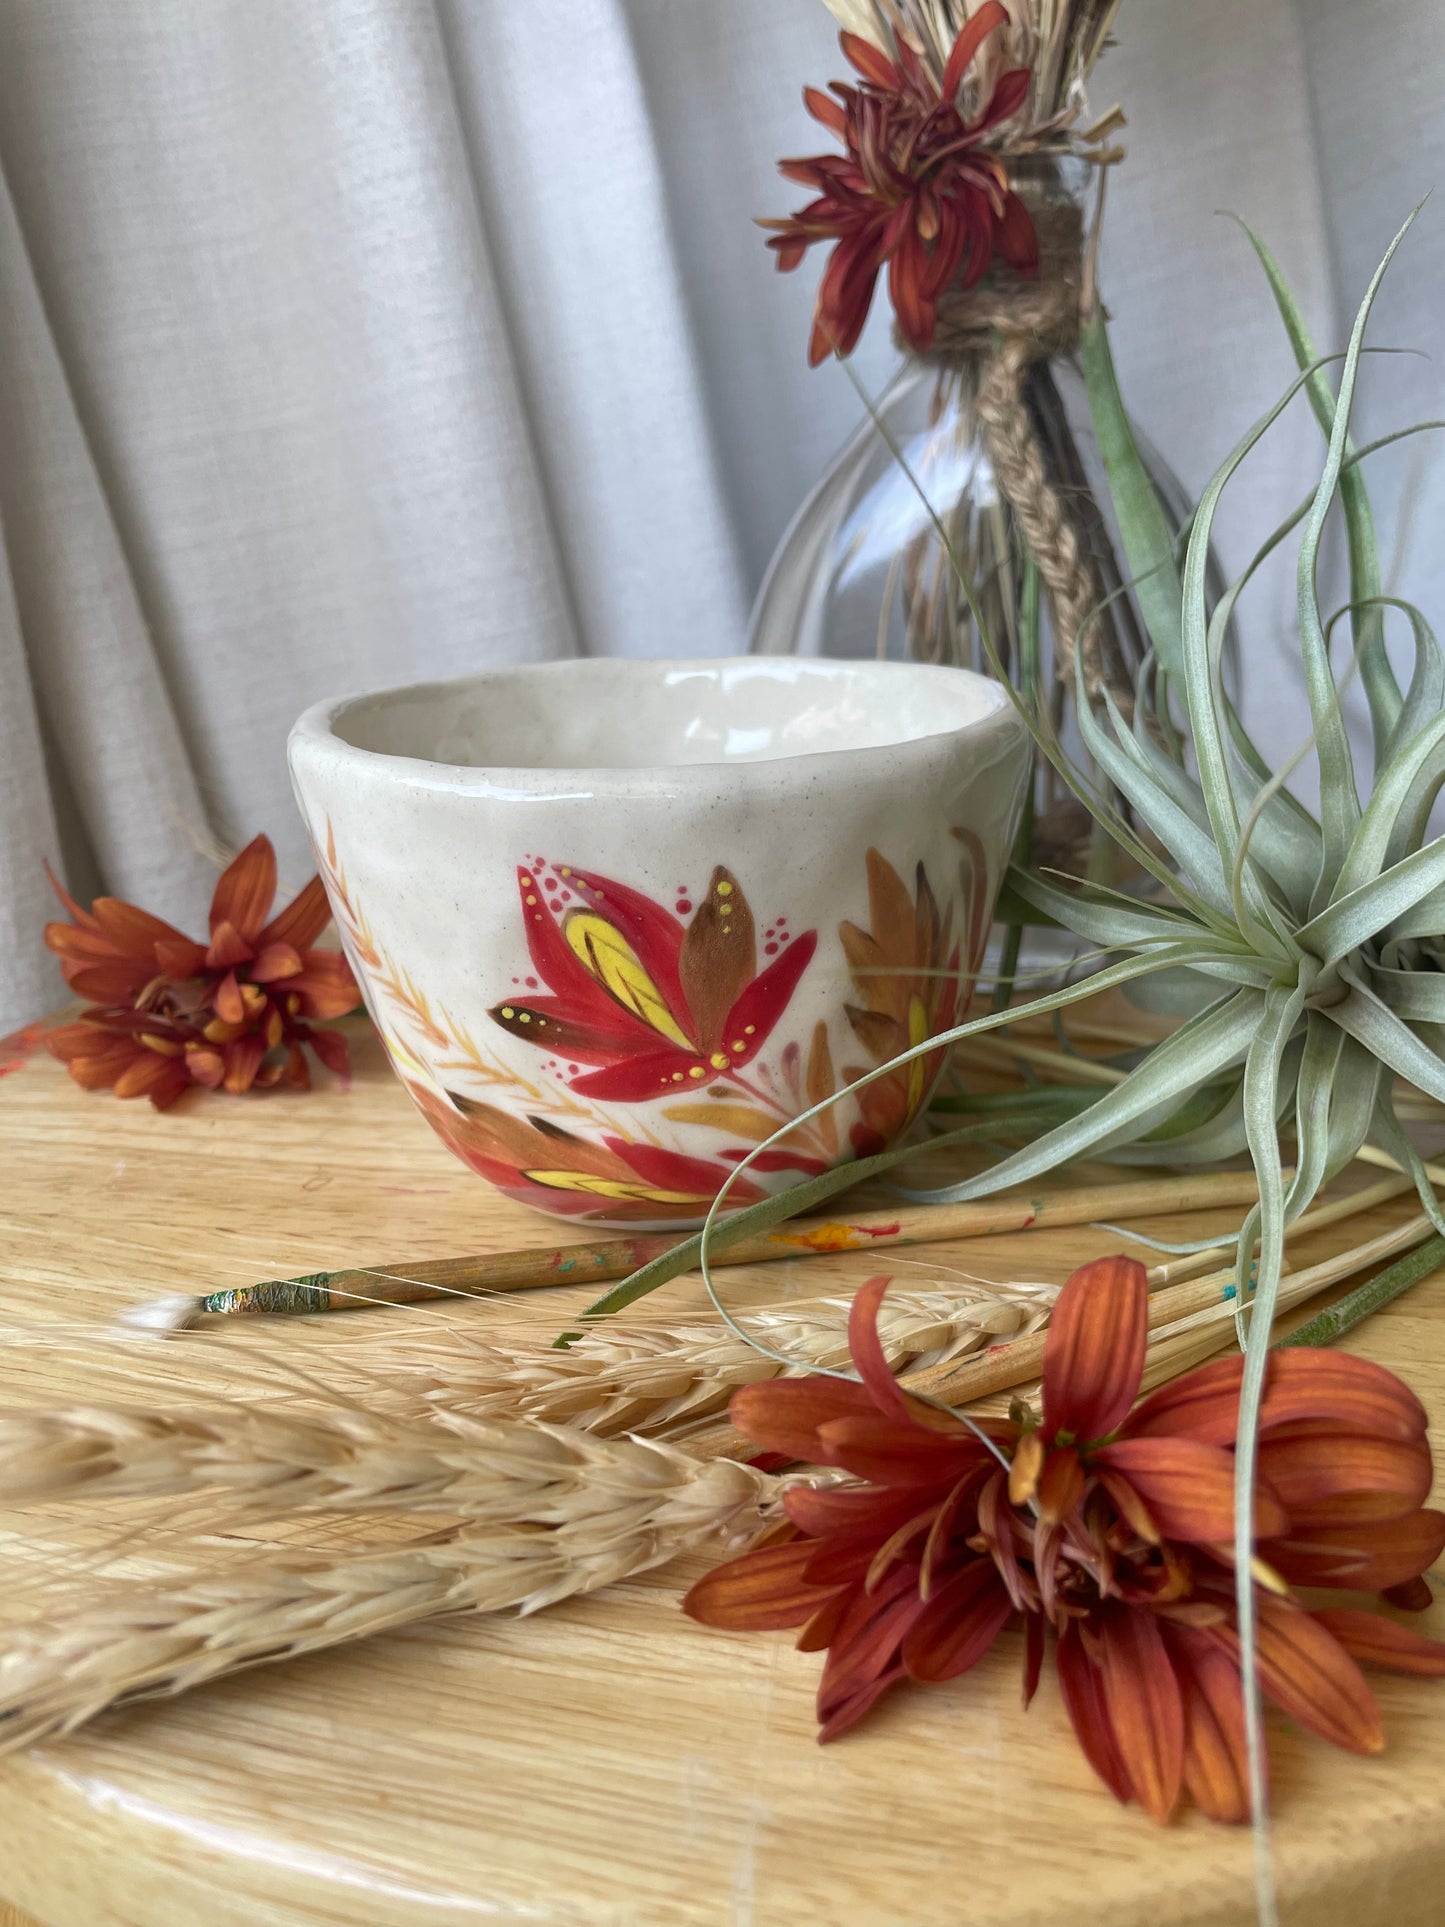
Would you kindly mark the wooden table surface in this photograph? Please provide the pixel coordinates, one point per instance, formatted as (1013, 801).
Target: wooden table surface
(609, 1763)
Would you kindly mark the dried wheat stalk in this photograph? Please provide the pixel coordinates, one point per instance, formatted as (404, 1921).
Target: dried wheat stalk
(480, 1472)
(661, 1378)
(523, 1515)
(656, 1376)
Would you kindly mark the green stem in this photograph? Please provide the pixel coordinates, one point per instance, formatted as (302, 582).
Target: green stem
(1029, 608)
(1069, 1097)
(1327, 1327)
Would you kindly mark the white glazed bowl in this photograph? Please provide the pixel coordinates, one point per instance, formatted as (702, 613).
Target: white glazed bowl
(618, 921)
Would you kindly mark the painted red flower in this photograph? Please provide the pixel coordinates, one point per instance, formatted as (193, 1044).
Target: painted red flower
(235, 1012)
(657, 1004)
(542, 1164)
(915, 190)
(1105, 1530)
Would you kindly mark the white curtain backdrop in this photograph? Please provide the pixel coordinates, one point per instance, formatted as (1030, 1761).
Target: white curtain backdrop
(350, 341)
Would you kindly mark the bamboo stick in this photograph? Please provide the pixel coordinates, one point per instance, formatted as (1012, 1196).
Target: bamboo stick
(408, 1283)
(1177, 1311)
(1372, 1154)
(1195, 1337)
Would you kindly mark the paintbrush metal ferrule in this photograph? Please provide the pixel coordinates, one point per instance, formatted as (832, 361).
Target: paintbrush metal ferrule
(284, 1297)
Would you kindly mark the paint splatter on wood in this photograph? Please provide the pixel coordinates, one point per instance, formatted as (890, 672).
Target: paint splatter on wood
(837, 1237)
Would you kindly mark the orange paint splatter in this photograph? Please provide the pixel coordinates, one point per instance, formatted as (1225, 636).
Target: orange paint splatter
(837, 1237)
(18, 1048)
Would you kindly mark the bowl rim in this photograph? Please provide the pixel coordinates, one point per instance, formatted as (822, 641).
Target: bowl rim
(314, 734)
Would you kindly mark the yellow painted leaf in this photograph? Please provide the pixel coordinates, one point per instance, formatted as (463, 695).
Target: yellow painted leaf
(738, 1120)
(918, 1033)
(610, 1187)
(610, 958)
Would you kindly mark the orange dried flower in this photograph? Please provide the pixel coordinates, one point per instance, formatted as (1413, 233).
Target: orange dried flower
(915, 190)
(234, 1013)
(1106, 1530)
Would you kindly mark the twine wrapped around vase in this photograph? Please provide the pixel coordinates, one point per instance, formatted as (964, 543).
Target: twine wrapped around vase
(1003, 326)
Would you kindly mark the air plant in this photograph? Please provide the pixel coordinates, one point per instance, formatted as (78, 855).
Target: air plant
(1312, 948)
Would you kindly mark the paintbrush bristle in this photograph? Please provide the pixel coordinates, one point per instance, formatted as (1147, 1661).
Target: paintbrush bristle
(176, 1312)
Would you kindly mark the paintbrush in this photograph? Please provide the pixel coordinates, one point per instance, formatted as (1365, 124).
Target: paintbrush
(535, 1268)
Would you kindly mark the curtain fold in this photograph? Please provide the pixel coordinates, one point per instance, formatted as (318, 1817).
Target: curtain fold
(359, 341)
(571, 188)
(78, 652)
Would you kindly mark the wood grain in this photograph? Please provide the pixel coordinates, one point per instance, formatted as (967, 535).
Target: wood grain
(608, 1764)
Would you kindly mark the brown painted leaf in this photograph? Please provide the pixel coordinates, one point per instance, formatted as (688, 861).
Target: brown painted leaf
(974, 877)
(890, 910)
(822, 1084)
(862, 953)
(936, 923)
(926, 926)
(719, 957)
(881, 1036)
(533, 1141)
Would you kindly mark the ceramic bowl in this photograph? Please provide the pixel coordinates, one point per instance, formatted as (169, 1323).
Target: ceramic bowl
(618, 922)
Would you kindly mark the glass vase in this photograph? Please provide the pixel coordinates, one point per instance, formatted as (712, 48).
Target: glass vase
(982, 462)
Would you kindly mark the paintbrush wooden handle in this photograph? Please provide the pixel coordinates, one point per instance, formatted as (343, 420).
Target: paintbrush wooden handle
(603, 1262)
(413, 1282)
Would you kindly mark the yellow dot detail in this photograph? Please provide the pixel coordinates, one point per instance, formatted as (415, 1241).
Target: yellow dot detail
(748, 1029)
(718, 1060)
(507, 1011)
(564, 871)
(697, 1071)
(740, 1045)
(531, 899)
(676, 1077)
(725, 889)
(524, 1017)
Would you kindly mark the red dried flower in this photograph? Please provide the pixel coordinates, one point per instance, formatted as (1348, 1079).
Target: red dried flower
(915, 190)
(1108, 1529)
(169, 1012)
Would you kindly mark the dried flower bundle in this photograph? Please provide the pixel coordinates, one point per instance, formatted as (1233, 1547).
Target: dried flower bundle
(1059, 41)
(236, 1013)
(917, 189)
(1108, 1533)
(945, 102)
(514, 1516)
